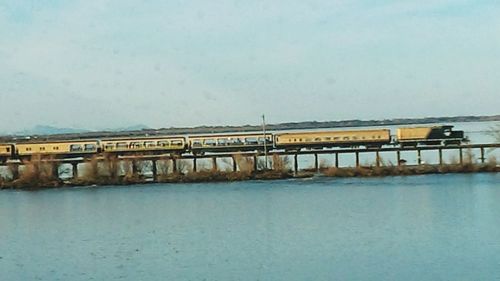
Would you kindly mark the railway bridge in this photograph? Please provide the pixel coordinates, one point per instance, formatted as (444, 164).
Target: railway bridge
(261, 161)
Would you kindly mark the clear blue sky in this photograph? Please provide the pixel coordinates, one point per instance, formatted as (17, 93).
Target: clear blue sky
(102, 64)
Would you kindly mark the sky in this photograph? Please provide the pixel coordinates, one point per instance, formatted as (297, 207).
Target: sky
(105, 64)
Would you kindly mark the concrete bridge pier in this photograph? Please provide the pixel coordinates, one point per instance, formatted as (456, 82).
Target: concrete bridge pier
(255, 167)
(134, 167)
(235, 164)
(174, 165)
(461, 155)
(440, 156)
(195, 168)
(316, 162)
(295, 164)
(419, 157)
(336, 159)
(214, 164)
(54, 170)
(377, 158)
(74, 169)
(154, 170)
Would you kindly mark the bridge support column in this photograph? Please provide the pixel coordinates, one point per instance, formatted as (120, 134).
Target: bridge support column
(377, 158)
(55, 170)
(440, 156)
(255, 163)
(336, 159)
(134, 167)
(419, 157)
(214, 164)
(316, 162)
(295, 163)
(174, 165)
(482, 155)
(461, 156)
(357, 158)
(398, 157)
(74, 169)
(235, 164)
(195, 168)
(154, 170)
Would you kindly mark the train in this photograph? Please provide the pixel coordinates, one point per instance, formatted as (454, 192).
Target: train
(236, 142)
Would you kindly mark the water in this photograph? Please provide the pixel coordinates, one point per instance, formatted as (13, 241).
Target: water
(432, 227)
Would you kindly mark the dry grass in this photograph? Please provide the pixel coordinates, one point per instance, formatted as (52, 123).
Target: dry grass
(37, 172)
(244, 164)
(281, 163)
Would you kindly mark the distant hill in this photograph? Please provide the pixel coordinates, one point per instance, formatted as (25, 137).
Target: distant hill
(53, 133)
(49, 130)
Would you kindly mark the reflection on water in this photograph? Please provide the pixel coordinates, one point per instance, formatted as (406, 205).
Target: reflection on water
(414, 228)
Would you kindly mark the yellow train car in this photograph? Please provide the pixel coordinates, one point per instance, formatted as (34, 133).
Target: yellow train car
(230, 143)
(6, 151)
(144, 145)
(326, 139)
(58, 148)
(432, 135)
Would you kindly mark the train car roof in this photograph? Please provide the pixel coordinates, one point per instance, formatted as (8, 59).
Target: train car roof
(142, 138)
(229, 135)
(55, 141)
(331, 131)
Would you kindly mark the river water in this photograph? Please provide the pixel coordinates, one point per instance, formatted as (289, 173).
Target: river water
(429, 227)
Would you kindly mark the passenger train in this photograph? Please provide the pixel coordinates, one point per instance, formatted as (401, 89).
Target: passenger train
(201, 144)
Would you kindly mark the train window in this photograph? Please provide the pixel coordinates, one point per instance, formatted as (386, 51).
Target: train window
(294, 139)
(210, 142)
(75, 147)
(336, 138)
(317, 139)
(300, 139)
(354, 138)
(379, 137)
(7, 149)
(136, 145)
(42, 148)
(363, 138)
(196, 143)
(28, 148)
(346, 138)
(267, 140)
(90, 147)
(252, 140)
(56, 147)
(176, 142)
(149, 144)
(222, 141)
(121, 145)
(109, 146)
(163, 143)
(328, 138)
(236, 141)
